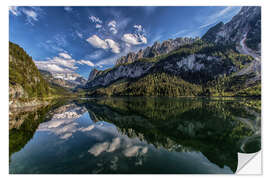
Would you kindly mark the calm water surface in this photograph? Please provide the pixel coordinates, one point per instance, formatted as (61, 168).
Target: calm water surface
(134, 135)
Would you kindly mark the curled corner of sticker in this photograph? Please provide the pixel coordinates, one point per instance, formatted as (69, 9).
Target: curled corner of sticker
(249, 163)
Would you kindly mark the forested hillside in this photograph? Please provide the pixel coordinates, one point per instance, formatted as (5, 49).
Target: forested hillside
(26, 83)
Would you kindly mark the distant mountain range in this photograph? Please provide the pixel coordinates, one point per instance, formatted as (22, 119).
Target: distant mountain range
(224, 62)
(66, 80)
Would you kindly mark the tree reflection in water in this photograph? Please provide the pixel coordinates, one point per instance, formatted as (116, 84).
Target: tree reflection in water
(137, 135)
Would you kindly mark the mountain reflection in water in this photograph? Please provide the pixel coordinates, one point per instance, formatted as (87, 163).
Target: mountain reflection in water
(134, 135)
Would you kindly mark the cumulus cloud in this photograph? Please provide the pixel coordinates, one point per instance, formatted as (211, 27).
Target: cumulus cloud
(57, 64)
(65, 55)
(68, 63)
(134, 39)
(62, 63)
(51, 67)
(114, 46)
(112, 27)
(86, 62)
(97, 42)
(104, 44)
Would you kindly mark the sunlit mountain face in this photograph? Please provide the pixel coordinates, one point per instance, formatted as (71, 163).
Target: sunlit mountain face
(119, 135)
(72, 40)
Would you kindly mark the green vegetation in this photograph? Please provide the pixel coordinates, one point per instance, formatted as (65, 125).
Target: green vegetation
(210, 35)
(19, 136)
(213, 81)
(23, 72)
(162, 84)
(150, 85)
(26, 83)
(210, 126)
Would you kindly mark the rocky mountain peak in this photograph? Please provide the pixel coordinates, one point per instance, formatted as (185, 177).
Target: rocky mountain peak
(245, 24)
(93, 74)
(155, 50)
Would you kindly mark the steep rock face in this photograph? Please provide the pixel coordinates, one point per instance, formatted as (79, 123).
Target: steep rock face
(93, 74)
(195, 68)
(122, 71)
(247, 23)
(155, 50)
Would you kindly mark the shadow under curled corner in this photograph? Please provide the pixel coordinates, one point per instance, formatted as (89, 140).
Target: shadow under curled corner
(249, 163)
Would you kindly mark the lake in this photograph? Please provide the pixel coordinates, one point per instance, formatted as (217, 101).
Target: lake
(134, 136)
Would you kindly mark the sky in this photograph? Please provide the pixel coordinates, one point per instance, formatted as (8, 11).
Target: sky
(78, 39)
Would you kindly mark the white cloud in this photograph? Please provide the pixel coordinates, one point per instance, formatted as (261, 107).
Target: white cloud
(223, 11)
(134, 39)
(65, 55)
(69, 63)
(139, 28)
(62, 63)
(31, 15)
(51, 67)
(57, 64)
(14, 10)
(68, 9)
(113, 45)
(113, 30)
(112, 23)
(86, 62)
(112, 27)
(95, 19)
(97, 42)
(54, 67)
(104, 44)
(98, 26)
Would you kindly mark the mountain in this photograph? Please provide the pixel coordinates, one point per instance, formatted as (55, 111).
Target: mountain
(156, 50)
(27, 86)
(246, 25)
(66, 80)
(219, 64)
(25, 81)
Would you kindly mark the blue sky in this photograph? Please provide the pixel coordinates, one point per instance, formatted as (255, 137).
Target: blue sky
(78, 39)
